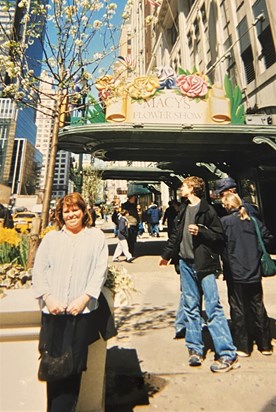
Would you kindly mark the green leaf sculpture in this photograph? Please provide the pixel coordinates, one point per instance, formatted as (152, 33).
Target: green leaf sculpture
(235, 97)
(95, 113)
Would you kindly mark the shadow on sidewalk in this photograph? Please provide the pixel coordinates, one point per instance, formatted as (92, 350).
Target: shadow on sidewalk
(140, 321)
(126, 385)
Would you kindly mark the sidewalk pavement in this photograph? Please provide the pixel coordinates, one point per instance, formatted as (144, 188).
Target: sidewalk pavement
(147, 370)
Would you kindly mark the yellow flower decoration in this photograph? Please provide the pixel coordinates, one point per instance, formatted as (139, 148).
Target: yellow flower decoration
(105, 85)
(105, 82)
(143, 87)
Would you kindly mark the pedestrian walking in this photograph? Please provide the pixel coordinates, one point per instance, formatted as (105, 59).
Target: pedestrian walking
(170, 214)
(6, 217)
(123, 232)
(154, 214)
(194, 246)
(69, 272)
(242, 271)
(131, 206)
(93, 214)
(141, 229)
(115, 219)
(104, 213)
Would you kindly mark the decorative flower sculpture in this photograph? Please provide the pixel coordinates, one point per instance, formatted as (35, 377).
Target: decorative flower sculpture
(128, 62)
(155, 3)
(143, 87)
(167, 77)
(193, 85)
(105, 85)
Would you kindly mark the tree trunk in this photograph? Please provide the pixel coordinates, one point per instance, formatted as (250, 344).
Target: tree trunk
(52, 162)
(33, 241)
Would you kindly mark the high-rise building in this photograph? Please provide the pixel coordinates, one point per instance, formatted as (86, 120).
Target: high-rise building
(45, 125)
(21, 125)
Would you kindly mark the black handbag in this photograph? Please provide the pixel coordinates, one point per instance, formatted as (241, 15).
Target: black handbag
(53, 368)
(267, 263)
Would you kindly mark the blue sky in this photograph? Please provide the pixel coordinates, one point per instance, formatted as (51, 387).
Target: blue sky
(97, 44)
(117, 22)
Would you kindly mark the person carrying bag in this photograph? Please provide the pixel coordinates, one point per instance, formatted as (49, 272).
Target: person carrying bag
(243, 272)
(69, 272)
(267, 263)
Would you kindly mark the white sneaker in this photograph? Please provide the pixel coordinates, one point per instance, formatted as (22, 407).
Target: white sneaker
(242, 354)
(266, 352)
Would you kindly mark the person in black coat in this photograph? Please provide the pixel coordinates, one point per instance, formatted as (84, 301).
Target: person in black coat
(194, 245)
(170, 214)
(242, 271)
(131, 206)
(5, 214)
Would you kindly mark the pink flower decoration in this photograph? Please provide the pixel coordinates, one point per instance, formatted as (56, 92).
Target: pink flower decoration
(104, 94)
(192, 85)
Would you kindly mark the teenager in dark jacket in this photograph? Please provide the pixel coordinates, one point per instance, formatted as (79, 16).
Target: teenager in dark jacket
(195, 243)
(242, 270)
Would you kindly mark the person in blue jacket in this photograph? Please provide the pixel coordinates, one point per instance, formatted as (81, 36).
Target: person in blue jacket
(154, 214)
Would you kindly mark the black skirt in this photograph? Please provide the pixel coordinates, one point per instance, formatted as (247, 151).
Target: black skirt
(59, 332)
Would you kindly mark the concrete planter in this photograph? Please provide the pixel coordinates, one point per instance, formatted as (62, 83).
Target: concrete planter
(20, 388)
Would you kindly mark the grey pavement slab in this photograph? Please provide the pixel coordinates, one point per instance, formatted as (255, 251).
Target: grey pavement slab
(147, 370)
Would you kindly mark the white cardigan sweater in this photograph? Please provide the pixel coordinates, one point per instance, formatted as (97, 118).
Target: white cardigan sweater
(68, 265)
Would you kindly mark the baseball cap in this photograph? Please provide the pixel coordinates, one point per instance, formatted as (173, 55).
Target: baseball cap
(224, 184)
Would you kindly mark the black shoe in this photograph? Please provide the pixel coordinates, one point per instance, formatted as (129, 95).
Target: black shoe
(180, 334)
(195, 359)
(130, 260)
(224, 364)
(116, 260)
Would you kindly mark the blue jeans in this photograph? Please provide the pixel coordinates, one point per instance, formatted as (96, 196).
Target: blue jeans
(154, 228)
(216, 321)
(180, 318)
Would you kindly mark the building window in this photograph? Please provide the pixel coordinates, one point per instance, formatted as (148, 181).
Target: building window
(268, 48)
(203, 14)
(264, 33)
(246, 51)
(196, 28)
(190, 39)
(247, 58)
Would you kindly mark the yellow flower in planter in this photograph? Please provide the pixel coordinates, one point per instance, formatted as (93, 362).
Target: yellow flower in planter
(10, 236)
(13, 246)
